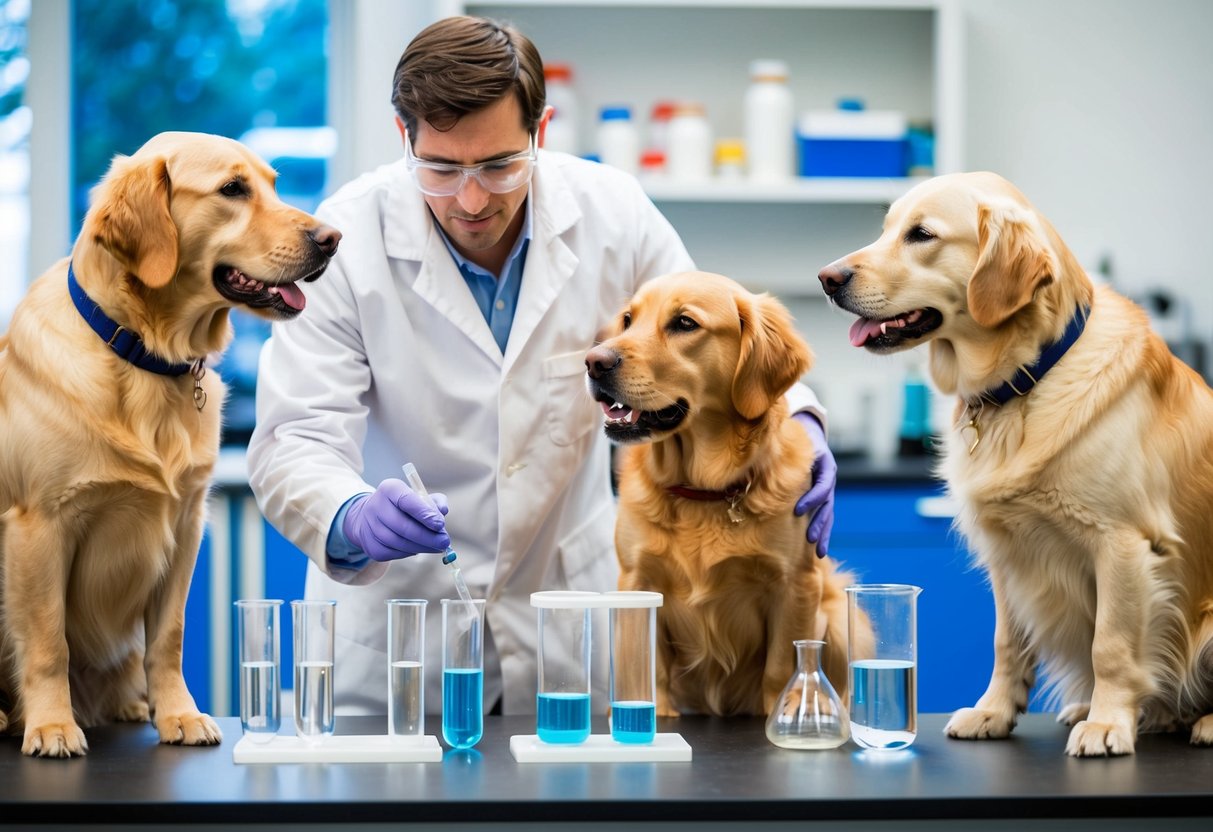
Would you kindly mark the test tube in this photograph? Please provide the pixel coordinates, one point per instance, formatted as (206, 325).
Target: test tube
(633, 625)
(313, 622)
(462, 672)
(563, 703)
(406, 668)
(257, 633)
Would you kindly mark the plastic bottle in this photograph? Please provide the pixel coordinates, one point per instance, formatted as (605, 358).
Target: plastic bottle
(730, 159)
(562, 128)
(689, 157)
(769, 123)
(659, 125)
(618, 139)
(915, 414)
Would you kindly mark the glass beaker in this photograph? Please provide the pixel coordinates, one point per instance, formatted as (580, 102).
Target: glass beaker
(882, 652)
(809, 713)
(633, 626)
(406, 668)
(462, 672)
(314, 628)
(563, 703)
(260, 695)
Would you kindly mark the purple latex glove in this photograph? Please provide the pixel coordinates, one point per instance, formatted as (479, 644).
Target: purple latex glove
(820, 496)
(396, 522)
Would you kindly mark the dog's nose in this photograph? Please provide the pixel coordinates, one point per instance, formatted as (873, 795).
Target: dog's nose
(834, 277)
(326, 239)
(601, 360)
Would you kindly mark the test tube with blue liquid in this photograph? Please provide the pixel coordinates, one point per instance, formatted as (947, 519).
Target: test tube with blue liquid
(882, 650)
(633, 626)
(462, 672)
(563, 703)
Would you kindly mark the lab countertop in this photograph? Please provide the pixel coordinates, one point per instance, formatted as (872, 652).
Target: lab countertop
(735, 775)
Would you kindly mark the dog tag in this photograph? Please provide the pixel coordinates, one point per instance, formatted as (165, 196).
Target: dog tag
(976, 434)
(198, 371)
(735, 514)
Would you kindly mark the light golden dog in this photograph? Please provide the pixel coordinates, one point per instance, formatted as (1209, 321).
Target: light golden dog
(105, 458)
(1081, 454)
(691, 377)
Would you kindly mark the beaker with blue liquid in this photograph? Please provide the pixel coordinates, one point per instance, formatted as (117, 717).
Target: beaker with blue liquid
(462, 672)
(563, 701)
(882, 652)
(633, 628)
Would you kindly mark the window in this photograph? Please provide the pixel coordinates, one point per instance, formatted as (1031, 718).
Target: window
(15, 121)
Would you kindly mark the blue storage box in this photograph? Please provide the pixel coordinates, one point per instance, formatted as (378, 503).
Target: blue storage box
(852, 143)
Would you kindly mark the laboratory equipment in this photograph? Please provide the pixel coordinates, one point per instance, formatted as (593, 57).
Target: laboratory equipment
(566, 120)
(633, 627)
(314, 627)
(563, 702)
(406, 668)
(689, 155)
(809, 714)
(258, 636)
(414, 480)
(770, 135)
(462, 672)
(618, 139)
(884, 686)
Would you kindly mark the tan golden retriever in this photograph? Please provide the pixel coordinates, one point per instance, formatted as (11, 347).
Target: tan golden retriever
(691, 377)
(105, 460)
(1088, 498)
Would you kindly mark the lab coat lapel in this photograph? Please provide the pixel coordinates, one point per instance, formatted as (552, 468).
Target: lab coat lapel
(549, 262)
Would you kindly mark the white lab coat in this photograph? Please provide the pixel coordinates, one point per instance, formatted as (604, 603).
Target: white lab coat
(392, 361)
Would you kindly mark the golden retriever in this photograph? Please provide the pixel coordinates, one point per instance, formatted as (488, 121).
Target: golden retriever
(691, 377)
(105, 458)
(1081, 454)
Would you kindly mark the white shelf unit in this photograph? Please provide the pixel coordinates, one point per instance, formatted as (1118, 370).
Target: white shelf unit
(894, 54)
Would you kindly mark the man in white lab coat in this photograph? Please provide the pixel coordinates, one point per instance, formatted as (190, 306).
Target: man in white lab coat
(451, 331)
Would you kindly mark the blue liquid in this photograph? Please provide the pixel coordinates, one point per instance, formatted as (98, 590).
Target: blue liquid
(462, 707)
(884, 703)
(564, 717)
(633, 722)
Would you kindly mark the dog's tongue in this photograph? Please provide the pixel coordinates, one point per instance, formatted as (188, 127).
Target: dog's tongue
(291, 295)
(862, 330)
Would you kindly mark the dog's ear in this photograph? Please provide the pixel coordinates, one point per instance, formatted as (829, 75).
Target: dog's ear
(131, 219)
(773, 355)
(1013, 261)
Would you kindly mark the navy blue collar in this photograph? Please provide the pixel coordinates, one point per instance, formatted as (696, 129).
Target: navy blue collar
(126, 344)
(1028, 377)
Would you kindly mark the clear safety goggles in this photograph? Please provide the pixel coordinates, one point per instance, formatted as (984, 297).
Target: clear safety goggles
(499, 176)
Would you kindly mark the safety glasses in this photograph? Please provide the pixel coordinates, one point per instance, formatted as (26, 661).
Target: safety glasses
(499, 176)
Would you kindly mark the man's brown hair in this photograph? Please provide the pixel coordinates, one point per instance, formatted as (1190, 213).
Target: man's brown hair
(462, 64)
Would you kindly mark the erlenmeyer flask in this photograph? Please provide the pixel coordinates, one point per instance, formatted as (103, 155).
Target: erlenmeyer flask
(809, 714)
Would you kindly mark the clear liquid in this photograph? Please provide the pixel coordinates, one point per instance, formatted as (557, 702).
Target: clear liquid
(314, 699)
(406, 703)
(884, 703)
(462, 706)
(259, 700)
(564, 718)
(633, 722)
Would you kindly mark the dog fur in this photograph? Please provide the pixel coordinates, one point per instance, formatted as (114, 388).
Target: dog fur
(1088, 500)
(104, 466)
(699, 367)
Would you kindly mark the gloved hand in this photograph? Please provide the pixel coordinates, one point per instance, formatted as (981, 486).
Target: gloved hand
(396, 522)
(820, 496)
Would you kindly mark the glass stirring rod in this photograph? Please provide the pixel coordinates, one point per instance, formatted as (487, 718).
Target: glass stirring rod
(448, 557)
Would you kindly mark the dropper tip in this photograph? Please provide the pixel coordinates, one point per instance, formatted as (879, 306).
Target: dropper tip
(449, 557)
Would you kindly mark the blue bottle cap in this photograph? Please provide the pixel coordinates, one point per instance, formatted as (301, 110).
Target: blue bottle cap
(852, 105)
(617, 113)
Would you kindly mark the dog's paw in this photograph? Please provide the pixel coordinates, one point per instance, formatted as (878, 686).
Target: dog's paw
(1100, 739)
(189, 729)
(1202, 731)
(55, 739)
(1074, 713)
(136, 711)
(978, 724)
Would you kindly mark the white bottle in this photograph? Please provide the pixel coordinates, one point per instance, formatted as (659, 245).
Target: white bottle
(561, 133)
(618, 139)
(770, 139)
(689, 156)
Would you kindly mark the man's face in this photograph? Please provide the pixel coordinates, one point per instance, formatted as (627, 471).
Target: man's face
(475, 219)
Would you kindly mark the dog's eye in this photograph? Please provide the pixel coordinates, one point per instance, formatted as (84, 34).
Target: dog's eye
(234, 188)
(918, 234)
(627, 319)
(684, 324)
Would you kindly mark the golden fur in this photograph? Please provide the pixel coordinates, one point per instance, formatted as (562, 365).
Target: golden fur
(700, 349)
(104, 466)
(1089, 500)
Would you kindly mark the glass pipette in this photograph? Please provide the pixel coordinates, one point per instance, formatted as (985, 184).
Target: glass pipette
(448, 557)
